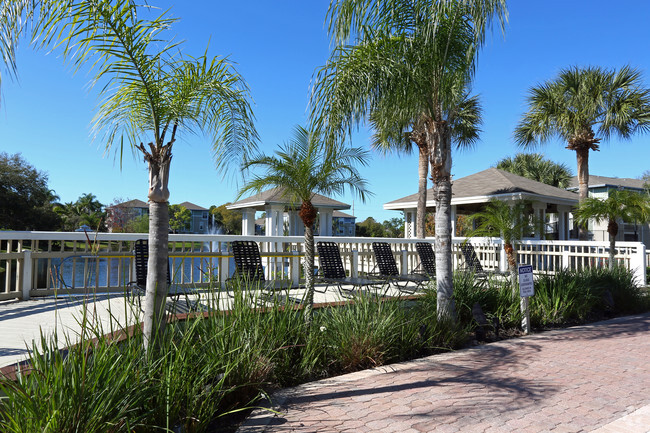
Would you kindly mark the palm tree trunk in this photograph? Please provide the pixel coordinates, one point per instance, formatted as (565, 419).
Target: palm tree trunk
(157, 265)
(440, 154)
(612, 230)
(423, 173)
(511, 254)
(308, 267)
(582, 156)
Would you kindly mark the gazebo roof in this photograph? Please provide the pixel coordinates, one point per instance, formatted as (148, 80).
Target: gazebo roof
(275, 196)
(481, 187)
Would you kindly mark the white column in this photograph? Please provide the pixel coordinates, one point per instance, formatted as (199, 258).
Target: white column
(325, 221)
(539, 210)
(409, 223)
(248, 222)
(274, 220)
(563, 222)
(453, 221)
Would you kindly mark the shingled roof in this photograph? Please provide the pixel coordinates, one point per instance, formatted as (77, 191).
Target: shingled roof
(275, 196)
(492, 183)
(600, 181)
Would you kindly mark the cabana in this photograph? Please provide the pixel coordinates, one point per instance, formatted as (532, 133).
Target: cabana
(278, 209)
(471, 193)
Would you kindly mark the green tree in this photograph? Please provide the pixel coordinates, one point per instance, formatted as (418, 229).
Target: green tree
(87, 210)
(507, 220)
(620, 205)
(26, 202)
(394, 227)
(534, 166)
(149, 93)
(179, 218)
(583, 102)
(645, 177)
(139, 224)
(408, 72)
(227, 220)
(304, 166)
(370, 228)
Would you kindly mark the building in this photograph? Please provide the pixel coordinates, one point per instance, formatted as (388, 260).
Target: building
(120, 215)
(600, 187)
(343, 224)
(471, 193)
(198, 220)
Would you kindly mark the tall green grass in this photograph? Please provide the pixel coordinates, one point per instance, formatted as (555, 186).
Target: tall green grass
(223, 362)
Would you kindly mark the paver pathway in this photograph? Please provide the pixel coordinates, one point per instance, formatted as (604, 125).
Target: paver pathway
(581, 379)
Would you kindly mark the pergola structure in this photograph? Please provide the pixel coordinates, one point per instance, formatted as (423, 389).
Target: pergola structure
(276, 204)
(471, 193)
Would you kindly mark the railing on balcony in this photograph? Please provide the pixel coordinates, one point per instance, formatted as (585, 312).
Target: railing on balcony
(45, 263)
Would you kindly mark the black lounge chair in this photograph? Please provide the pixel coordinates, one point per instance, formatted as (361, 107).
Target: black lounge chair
(330, 267)
(388, 269)
(139, 287)
(473, 264)
(250, 272)
(427, 264)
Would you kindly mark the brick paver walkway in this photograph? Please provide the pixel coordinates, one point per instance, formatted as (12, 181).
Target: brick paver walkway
(581, 379)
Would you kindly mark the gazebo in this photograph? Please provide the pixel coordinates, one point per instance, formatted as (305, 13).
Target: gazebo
(471, 193)
(276, 206)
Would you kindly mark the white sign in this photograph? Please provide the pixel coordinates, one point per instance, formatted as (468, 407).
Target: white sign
(526, 284)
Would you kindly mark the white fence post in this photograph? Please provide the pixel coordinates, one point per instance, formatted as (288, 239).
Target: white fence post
(565, 258)
(405, 262)
(638, 264)
(354, 266)
(503, 262)
(27, 274)
(224, 271)
(295, 269)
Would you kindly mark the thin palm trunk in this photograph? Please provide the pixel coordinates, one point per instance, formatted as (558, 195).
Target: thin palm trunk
(582, 156)
(308, 267)
(157, 265)
(511, 255)
(423, 173)
(440, 154)
(612, 230)
(154, 307)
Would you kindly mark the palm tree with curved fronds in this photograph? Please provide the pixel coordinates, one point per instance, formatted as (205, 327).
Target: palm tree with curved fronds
(581, 103)
(534, 166)
(408, 71)
(150, 94)
(304, 166)
(619, 205)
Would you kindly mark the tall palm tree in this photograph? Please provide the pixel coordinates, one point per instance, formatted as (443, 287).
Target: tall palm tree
(408, 72)
(534, 166)
(582, 103)
(149, 94)
(619, 205)
(304, 166)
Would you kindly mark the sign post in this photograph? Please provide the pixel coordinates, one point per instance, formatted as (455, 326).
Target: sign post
(526, 289)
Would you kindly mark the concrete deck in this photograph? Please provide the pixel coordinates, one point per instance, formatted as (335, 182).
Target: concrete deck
(593, 378)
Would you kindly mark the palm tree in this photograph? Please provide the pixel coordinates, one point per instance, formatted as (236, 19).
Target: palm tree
(619, 205)
(534, 166)
(304, 166)
(507, 220)
(149, 94)
(583, 102)
(408, 73)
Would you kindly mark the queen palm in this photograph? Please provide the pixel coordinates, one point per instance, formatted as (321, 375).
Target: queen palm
(150, 93)
(582, 106)
(408, 73)
(619, 205)
(304, 166)
(534, 166)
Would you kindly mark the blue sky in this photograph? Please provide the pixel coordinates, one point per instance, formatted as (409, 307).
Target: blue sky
(277, 46)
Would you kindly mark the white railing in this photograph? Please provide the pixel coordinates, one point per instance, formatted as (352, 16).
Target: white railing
(45, 263)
